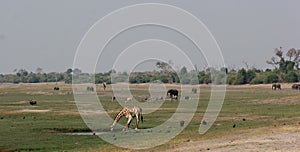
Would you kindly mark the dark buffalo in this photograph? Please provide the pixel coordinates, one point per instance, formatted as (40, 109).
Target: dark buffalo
(296, 86)
(113, 99)
(276, 86)
(194, 90)
(56, 88)
(32, 102)
(173, 94)
(90, 89)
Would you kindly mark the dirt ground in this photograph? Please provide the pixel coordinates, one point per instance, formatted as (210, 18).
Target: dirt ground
(285, 138)
(277, 139)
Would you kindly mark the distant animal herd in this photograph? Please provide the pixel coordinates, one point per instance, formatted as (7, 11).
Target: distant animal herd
(171, 93)
(296, 86)
(132, 112)
(277, 86)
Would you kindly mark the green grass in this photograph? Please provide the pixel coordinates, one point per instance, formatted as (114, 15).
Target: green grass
(45, 131)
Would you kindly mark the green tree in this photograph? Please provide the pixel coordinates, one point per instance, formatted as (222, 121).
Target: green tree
(270, 77)
(183, 71)
(231, 77)
(291, 76)
(285, 65)
(250, 74)
(241, 77)
(69, 71)
(33, 78)
(194, 80)
(257, 80)
(22, 72)
(77, 71)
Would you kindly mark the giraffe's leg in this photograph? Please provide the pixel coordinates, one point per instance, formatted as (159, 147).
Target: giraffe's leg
(137, 122)
(128, 121)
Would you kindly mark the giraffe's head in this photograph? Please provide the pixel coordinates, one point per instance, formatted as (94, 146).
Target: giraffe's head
(112, 127)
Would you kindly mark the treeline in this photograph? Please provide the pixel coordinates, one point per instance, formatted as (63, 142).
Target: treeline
(286, 69)
(255, 76)
(23, 76)
(234, 77)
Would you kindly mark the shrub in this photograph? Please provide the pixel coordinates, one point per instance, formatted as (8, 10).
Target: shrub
(231, 78)
(291, 76)
(241, 77)
(270, 77)
(257, 80)
(195, 80)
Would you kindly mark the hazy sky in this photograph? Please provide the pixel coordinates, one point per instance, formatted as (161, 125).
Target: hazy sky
(46, 34)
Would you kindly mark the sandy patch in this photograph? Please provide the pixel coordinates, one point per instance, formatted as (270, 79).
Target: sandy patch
(281, 101)
(39, 92)
(276, 139)
(68, 112)
(33, 110)
(8, 85)
(16, 103)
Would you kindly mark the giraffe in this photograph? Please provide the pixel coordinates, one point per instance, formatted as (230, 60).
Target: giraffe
(129, 113)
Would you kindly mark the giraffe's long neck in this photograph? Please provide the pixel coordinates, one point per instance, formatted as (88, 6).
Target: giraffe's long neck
(129, 113)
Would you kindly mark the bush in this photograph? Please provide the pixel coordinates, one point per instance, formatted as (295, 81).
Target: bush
(218, 77)
(250, 74)
(175, 77)
(231, 78)
(132, 80)
(241, 77)
(195, 80)
(291, 76)
(185, 80)
(33, 78)
(257, 80)
(270, 77)
(205, 79)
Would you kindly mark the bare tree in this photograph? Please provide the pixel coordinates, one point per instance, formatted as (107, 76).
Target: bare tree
(291, 53)
(275, 61)
(15, 71)
(39, 70)
(297, 59)
(246, 64)
(163, 66)
(77, 71)
(294, 55)
(279, 59)
(196, 68)
(279, 52)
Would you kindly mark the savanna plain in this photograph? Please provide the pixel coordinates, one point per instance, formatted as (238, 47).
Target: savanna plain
(253, 118)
